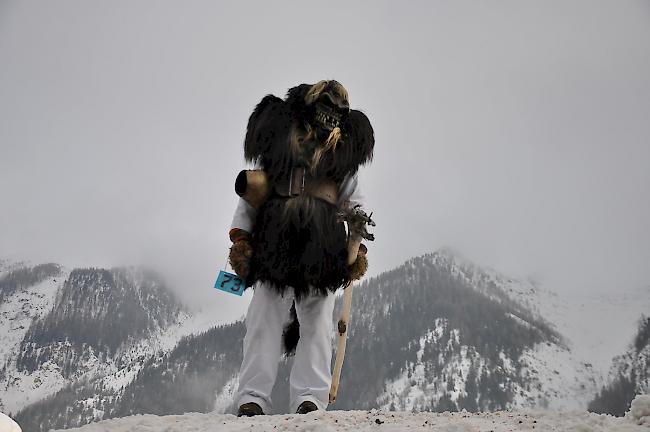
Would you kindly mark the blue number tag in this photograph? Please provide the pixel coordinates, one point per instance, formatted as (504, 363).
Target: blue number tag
(230, 283)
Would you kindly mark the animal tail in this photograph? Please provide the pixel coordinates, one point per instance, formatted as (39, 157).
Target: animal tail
(291, 332)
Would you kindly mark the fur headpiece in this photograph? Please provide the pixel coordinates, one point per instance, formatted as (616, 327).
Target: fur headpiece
(312, 127)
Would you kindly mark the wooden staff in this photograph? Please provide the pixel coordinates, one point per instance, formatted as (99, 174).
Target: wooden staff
(353, 250)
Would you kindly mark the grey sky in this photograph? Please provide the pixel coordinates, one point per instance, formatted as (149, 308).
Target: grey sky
(515, 132)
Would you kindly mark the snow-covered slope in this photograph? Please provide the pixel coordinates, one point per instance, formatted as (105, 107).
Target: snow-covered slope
(577, 315)
(440, 334)
(158, 343)
(629, 376)
(545, 373)
(42, 350)
(638, 420)
(596, 328)
(21, 305)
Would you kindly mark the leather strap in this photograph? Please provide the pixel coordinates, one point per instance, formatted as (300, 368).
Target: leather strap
(301, 182)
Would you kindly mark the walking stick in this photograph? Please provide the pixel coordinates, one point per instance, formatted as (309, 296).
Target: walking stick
(357, 219)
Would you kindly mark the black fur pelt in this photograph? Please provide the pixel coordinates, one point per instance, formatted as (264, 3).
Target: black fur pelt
(291, 250)
(291, 333)
(299, 242)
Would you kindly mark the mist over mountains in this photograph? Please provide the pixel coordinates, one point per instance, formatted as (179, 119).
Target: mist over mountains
(437, 333)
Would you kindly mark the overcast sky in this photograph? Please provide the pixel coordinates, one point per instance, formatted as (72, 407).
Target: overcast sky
(516, 132)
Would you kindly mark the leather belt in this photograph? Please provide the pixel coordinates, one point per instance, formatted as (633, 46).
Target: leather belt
(301, 182)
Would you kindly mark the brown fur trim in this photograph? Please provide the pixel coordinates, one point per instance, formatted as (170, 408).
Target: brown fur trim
(358, 268)
(240, 257)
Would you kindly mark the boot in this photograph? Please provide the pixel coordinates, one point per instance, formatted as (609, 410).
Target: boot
(250, 409)
(306, 407)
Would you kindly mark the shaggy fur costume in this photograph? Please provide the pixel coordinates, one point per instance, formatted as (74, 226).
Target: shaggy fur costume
(300, 241)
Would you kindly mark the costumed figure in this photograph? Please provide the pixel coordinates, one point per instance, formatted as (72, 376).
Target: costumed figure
(289, 240)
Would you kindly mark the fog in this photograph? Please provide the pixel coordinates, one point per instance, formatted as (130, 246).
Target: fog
(517, 133)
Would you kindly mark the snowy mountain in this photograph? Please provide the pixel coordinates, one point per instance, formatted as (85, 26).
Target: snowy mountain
(61, 326)
(26, 295)
(629, 376)
(73, 339)
(444, 334)
(437, 333)
(597, 326)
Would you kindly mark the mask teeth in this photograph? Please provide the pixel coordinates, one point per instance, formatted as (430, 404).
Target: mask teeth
(328, 120)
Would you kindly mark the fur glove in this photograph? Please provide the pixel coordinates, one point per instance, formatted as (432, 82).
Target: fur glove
(240, 252)
(359, 267)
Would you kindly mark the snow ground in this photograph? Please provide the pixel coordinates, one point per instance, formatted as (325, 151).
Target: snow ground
(384, 421)
(636, 420)
(8, 425)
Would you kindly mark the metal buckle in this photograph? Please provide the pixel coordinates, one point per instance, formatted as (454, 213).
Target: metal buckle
(302, 182)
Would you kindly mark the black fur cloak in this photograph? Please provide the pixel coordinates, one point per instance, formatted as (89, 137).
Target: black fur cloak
(300, 241)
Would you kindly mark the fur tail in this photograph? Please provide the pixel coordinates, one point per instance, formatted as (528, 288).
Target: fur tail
(291, 333)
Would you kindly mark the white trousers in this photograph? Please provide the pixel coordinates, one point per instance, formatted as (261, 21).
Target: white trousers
(311, 375)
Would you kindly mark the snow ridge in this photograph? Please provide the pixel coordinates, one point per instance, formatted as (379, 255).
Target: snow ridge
(386, 421)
